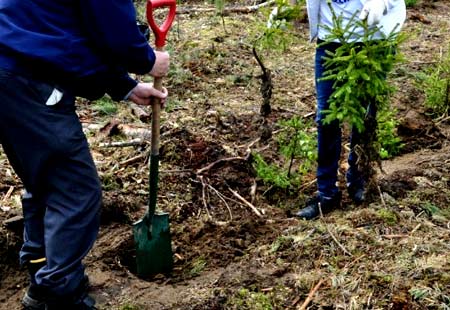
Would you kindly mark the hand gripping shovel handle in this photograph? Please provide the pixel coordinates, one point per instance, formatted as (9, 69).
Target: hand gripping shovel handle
(160, 40)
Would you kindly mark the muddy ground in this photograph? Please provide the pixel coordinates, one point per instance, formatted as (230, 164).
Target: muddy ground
(393, 253)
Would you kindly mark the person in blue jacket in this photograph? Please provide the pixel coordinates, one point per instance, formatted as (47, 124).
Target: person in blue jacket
(51, 52)
(387, 16)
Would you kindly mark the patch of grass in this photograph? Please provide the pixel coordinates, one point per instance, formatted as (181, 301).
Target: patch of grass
(105, 106)
(435, 297)
(197, 267)
(435, 82)
(248, 300)
(390, 142)
(281, 243)
(411, 3)
(270, 173)
(109, 182)
(430, 208)
(179, 76)
(128, 306)
(381, 279)
(172, 104)
(298, 146)
(436, 213)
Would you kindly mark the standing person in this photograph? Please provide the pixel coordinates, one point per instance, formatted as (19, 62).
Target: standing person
(50, 52)
(389, 16)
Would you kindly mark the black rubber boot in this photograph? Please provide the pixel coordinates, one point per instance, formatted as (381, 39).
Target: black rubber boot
(311, 210)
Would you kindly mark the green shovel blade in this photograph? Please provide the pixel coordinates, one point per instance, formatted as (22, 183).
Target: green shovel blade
(153, 249)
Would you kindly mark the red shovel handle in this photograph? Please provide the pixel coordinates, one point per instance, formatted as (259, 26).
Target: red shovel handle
(161, 31)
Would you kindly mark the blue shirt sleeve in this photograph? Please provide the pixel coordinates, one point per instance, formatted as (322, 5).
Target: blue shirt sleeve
(111, 26)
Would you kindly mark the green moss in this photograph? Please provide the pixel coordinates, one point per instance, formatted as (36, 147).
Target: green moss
(387, 216)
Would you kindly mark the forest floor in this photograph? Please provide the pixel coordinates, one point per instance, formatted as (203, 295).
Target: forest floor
(393, 253)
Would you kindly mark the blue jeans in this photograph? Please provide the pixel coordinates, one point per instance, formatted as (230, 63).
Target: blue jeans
(330, 135)
(49, 152)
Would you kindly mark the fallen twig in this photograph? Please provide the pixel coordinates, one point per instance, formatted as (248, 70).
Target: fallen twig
(176, 171)
(235, 9)
(254, 209)
(137, 110)
(134, 131)
(253, 191)
(381, 196)
(205, 204)
(311, 294)
(8, 193)
(295, 302)
(354, 261)
(332, 235)
(134, 142)
(222, 197)
(248, 146)
(306, 185)
(415, 228)
(202, 170)
(133, 159)
(15, 222)
(92, 126)
(394, 236)
(338, 243)
(310, 114)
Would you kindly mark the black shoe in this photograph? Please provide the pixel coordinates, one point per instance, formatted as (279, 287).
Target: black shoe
(79, 300)
(84, 303)
(34, 298)
(356, 193)
(327, 204)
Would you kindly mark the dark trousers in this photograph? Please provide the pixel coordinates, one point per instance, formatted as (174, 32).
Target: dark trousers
(49, 152)
(329, 135)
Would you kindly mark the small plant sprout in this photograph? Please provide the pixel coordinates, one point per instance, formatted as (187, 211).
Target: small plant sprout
(297, 146)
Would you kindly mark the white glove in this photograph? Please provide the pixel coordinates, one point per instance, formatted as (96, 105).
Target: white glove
(373, 11)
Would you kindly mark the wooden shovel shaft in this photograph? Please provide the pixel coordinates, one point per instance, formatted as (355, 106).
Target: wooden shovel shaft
(154, 158)
(156, 112)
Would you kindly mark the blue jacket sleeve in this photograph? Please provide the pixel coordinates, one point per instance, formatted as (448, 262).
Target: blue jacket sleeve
(111, 26)
(115, 82)
(120, 86)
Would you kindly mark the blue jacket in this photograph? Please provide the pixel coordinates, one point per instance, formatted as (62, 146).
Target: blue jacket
(89, 46)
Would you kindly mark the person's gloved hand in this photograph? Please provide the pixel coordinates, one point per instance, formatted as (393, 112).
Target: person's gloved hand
(143, 92)
(373, 11)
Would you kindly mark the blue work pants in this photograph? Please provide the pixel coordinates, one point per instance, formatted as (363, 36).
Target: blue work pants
(49, 152)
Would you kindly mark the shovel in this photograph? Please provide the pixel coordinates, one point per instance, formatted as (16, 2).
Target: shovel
(152, 232)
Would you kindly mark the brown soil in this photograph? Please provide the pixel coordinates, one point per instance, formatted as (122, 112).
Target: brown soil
(391, 254)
